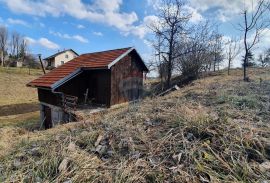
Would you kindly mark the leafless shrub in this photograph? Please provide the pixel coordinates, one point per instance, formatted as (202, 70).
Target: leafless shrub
(232, 51)
(168, 31)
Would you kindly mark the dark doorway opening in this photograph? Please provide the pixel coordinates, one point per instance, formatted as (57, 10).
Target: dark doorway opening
(48, 117)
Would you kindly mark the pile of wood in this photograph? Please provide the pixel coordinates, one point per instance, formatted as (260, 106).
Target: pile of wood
(69, 103)
(175, 87)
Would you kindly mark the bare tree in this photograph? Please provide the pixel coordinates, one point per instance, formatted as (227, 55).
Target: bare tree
(172, 23)
(160, 64)
(15, 44)
(23, 47)
(195, 51)
(253, 25)
(18, 48)
(264, 58)
(163, 73)
(232, 51)
(3, 43)
(217, 49)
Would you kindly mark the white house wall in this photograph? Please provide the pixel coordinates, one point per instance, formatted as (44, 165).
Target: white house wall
(62, 57)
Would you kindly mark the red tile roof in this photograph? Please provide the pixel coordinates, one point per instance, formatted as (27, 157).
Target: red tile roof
(89, 60)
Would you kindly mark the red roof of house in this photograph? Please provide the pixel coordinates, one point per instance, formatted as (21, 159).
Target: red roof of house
(90, 60)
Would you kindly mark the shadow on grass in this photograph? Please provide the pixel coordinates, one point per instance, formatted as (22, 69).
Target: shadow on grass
(14, 109)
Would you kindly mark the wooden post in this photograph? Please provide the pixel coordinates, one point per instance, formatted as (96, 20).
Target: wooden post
(39, 56)
(86, 96)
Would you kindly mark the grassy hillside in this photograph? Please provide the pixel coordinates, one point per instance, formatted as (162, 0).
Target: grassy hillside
(216, 129)
(18, 103)
(12, 86)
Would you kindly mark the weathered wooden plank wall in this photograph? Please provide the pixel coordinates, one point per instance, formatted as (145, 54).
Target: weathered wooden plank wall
(96, 81)
(126, 75)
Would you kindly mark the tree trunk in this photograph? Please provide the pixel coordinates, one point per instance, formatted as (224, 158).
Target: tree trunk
(246, 49)
(229, 66)
(245, 68)
(170, 59)
(245, 64)
(2, 58)
(168, 83)
(215, 59)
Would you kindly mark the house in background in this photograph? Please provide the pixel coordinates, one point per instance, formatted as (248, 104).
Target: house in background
(96, 79)
(19, 63)
(60, 58)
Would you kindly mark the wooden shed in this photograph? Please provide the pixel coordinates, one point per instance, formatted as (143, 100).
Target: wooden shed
(102, 78)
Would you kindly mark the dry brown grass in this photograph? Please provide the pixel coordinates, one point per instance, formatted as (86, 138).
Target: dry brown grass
(214, 130)
(16, 104)
(12, 86)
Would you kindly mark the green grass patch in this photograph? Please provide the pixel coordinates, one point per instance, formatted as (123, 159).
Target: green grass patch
(240, 102)
(28, 121)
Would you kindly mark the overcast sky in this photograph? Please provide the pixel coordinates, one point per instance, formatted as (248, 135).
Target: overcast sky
(95, 25)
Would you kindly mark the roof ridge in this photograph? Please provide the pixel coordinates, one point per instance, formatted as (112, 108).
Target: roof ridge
(108, 50)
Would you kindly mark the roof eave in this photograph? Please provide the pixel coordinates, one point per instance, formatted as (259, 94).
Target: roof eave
(36, 86)
(125, 54)
(120, 57)
(67, 78)
(146, 69)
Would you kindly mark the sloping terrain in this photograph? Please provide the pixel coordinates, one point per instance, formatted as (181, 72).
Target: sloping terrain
(12, 86)
(18, 103)
(216, 129)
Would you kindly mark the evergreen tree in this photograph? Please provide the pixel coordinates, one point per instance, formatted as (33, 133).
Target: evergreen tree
(250, 60)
